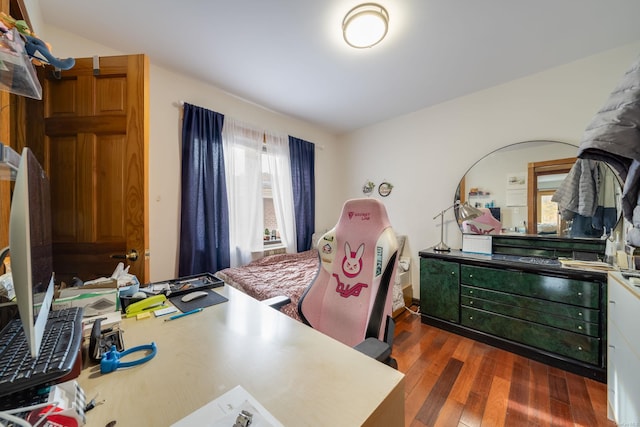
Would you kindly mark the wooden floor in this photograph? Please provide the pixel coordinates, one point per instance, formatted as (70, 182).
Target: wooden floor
(455, 381)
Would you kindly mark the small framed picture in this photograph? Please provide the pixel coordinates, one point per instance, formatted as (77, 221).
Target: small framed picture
(516, 181)
(384, 189)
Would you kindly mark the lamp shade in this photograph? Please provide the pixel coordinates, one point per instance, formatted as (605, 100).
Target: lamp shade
(365, 25)
(467, 212)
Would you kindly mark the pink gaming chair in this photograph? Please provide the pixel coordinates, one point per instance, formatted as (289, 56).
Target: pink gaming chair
(351, 297)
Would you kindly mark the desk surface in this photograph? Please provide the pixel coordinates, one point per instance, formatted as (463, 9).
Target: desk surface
(299, 375)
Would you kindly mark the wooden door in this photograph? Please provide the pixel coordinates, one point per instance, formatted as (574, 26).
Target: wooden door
(95, 150)
(536, 169)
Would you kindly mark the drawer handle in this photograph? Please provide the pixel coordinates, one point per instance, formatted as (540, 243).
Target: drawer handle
(470, 317)
(579, 348)
(471, 275)
(579, 294)
(470, 302)
(453, 273)
(470, 291)
(579, 327)
(611, 346)
(611, 301)
(580, 313)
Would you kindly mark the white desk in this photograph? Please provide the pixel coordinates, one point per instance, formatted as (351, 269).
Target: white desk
(301, 376)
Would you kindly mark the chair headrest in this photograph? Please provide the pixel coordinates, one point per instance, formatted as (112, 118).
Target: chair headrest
(360, 215)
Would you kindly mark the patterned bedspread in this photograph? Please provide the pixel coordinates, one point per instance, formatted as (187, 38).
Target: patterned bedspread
(273, 275)
(283, 274)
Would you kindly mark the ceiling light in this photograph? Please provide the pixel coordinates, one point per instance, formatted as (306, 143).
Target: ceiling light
(365, 25)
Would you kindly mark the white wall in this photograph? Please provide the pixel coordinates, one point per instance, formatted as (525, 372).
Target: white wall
(167, 89)
(424, 154)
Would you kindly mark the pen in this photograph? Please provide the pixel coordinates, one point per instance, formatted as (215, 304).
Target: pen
(186, 313)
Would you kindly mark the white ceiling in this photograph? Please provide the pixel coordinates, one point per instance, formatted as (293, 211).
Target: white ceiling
(289, 56)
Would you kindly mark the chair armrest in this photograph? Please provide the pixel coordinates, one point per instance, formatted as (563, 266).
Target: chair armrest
(277, 302)
(373, 347)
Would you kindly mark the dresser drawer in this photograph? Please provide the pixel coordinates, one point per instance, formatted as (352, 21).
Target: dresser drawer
(577, 346)
(569, 291)
(525, 309)
(581, 314)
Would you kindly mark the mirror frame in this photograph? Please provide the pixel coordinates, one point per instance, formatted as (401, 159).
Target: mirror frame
(534, 169)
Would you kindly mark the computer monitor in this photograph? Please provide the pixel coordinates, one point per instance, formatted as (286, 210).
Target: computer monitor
(30, 245)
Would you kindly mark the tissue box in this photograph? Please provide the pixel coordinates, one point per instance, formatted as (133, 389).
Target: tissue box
(94, 301)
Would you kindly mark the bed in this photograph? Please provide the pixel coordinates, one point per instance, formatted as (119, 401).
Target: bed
(286, 274)
(273, 275)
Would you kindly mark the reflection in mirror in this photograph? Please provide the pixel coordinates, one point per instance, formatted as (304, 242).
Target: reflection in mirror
(589, 199)
(544, 178)
(515, 185)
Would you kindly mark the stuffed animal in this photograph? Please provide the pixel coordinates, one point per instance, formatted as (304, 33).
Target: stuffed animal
(7, 22)
(38, 50)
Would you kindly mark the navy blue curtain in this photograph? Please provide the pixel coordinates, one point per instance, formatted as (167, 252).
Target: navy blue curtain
(204, 226)
(304, 190)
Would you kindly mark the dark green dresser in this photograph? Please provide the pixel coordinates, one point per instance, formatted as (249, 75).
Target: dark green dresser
(528, 305)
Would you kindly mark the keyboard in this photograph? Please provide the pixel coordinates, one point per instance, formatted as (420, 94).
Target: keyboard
(58, 351)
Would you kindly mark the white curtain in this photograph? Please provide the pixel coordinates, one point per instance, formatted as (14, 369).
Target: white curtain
(280, 170)
(242, 145)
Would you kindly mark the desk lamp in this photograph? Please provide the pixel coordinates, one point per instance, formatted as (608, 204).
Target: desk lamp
(465, 212)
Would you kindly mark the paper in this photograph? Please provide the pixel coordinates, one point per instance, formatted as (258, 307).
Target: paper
(582, 265)
(224, 410)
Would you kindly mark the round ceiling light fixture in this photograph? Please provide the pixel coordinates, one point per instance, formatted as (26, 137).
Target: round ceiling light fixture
(365, 25)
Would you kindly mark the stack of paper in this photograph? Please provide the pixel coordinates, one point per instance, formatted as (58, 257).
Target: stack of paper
(224, 411)
(586, 265)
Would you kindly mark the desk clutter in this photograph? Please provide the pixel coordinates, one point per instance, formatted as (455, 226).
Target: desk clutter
(183, 285)
(103, 304)
(62, 404)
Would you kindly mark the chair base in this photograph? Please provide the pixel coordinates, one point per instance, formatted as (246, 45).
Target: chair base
(373, 347)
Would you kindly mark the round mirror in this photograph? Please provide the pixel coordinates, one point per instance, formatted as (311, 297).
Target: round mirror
(515, 186)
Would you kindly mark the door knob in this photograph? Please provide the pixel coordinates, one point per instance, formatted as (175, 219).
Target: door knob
(131, 256)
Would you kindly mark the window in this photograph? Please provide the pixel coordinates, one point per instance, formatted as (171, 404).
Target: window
(271, 230)
(247, 151)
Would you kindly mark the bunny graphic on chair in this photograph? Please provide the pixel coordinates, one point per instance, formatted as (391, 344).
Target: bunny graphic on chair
(352, 262)
(351, 267)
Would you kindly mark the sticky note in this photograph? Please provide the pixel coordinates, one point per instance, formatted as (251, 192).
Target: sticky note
(164, 311)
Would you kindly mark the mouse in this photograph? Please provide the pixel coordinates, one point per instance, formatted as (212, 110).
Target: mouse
(194, 295)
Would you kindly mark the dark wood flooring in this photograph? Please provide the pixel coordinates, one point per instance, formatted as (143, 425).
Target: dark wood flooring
(455, 381)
